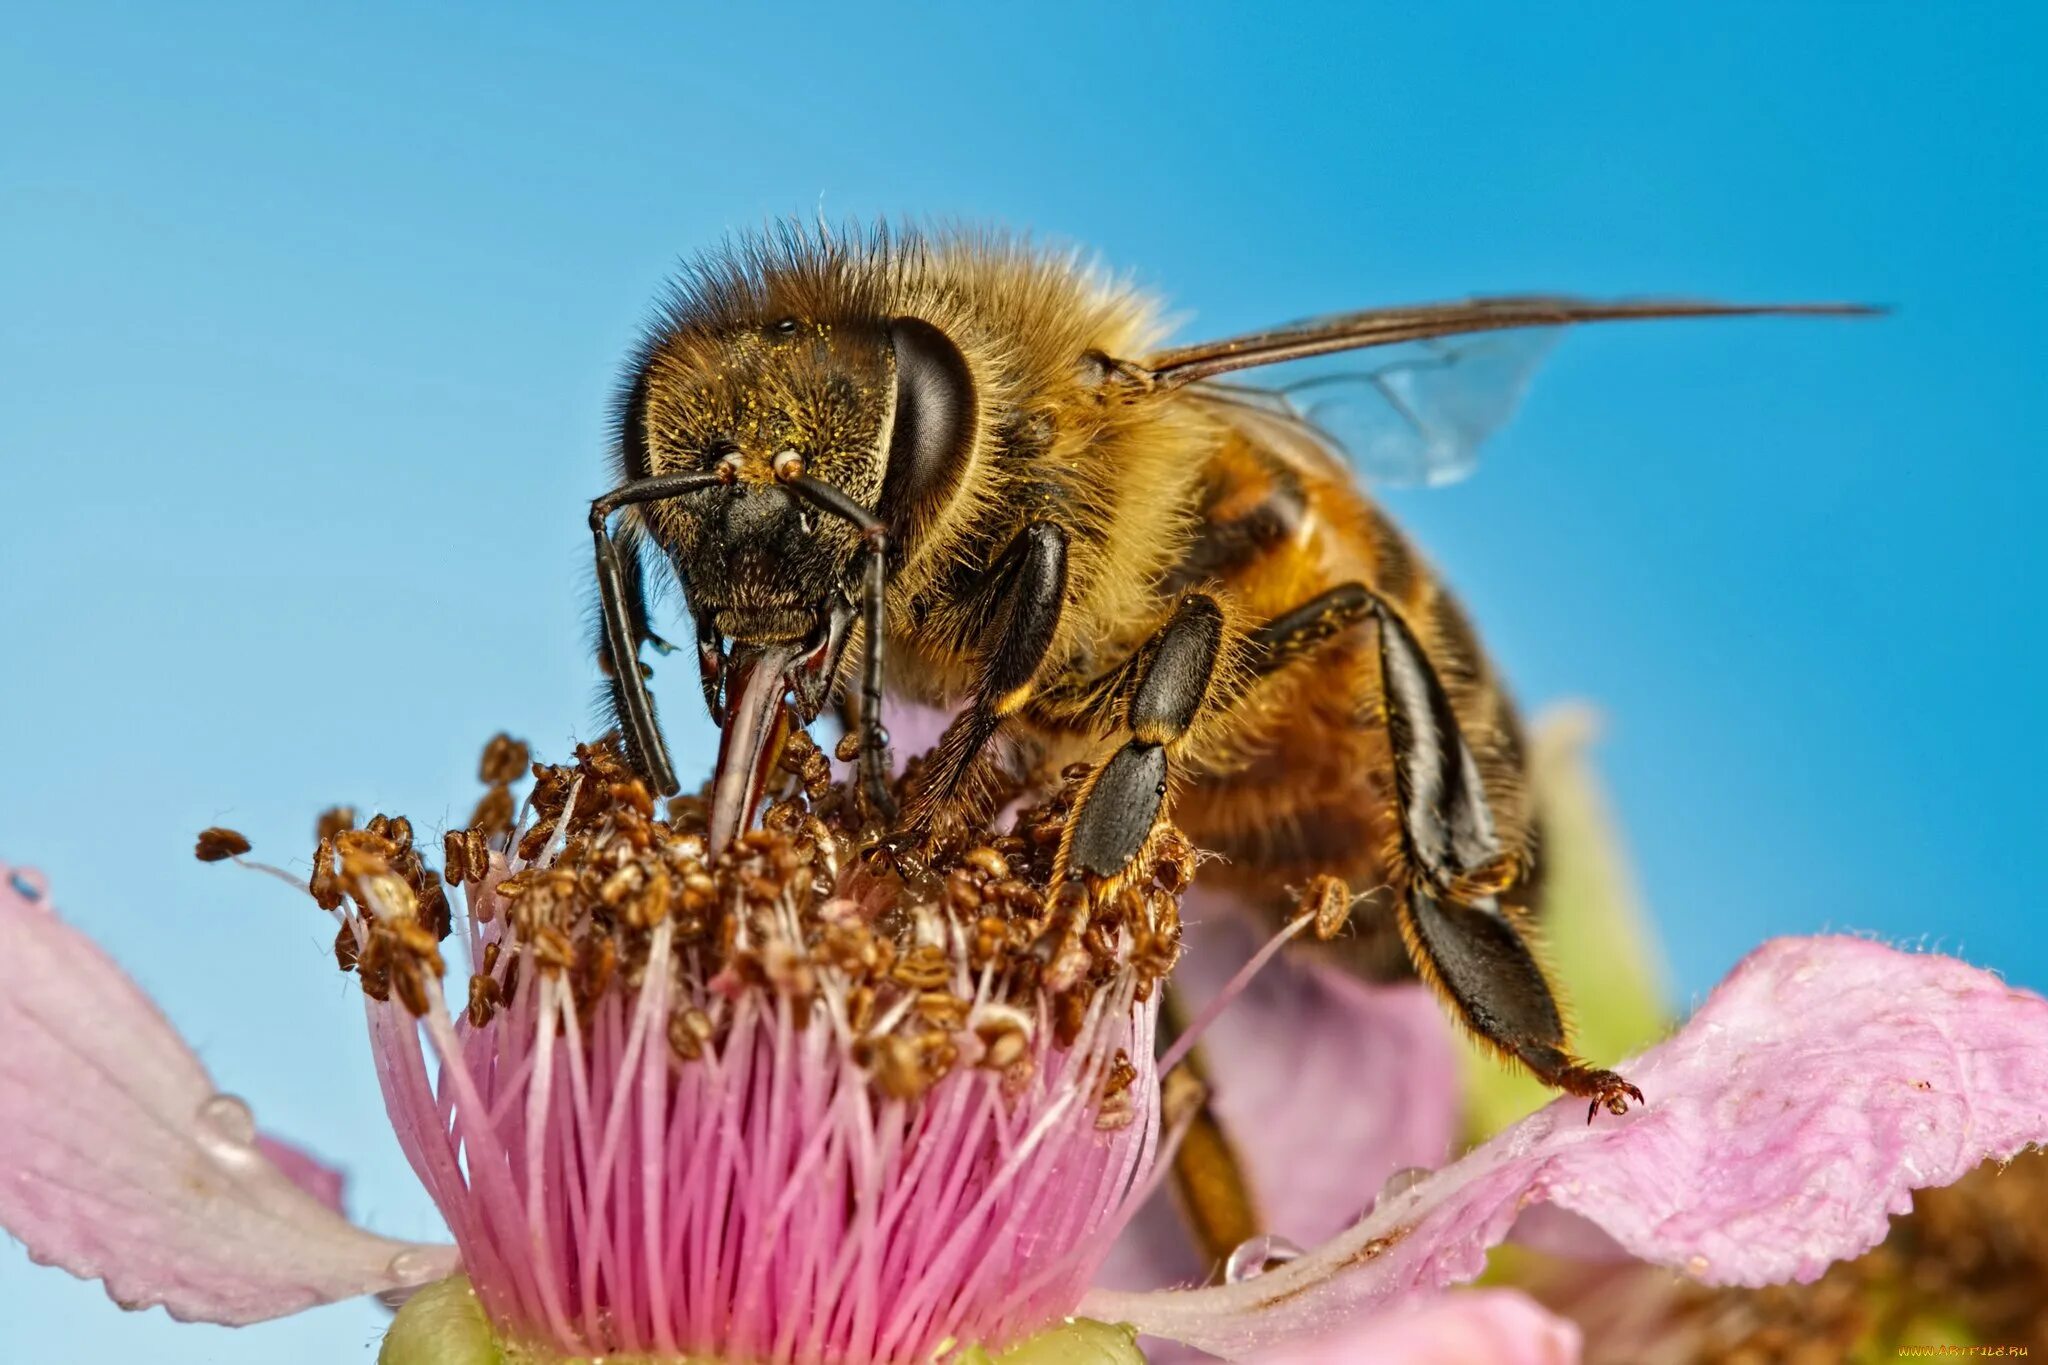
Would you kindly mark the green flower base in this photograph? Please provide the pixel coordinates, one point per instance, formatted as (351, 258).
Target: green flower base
(443, 1324)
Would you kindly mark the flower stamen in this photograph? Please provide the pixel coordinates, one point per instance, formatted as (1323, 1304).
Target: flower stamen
(780, 1103)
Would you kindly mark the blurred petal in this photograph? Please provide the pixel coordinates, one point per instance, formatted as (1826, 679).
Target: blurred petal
(1560, 1232)
(1368, 1087)
(1482, 1327)
(914, 730)
(1820, 1084)
(1597, 943)
(1153, 1252)
(124, 1164)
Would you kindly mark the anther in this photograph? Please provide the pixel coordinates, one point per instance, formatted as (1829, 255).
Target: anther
(945, 959)
(217, 844)
(333, 821)
(504, 760)
(1329, 900)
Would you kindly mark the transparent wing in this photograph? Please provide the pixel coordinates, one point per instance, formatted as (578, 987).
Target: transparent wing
(1413, 414)
(1440, 378)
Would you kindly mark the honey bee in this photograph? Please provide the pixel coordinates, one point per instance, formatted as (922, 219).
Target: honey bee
(961, 470)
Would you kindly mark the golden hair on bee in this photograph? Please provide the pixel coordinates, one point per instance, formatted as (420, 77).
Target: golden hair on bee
(779, 341)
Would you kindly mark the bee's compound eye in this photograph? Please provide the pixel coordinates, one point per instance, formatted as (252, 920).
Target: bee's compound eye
(935, 420)
(783, 327)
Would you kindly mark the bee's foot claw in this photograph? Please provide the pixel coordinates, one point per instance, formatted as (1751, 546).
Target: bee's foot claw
(1602, 1090)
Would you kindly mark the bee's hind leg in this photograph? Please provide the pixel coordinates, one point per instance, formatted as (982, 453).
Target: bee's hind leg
(1460, 937)
(1171, 680)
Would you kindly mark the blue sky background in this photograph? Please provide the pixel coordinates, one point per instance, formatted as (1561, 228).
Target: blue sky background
(307, 326)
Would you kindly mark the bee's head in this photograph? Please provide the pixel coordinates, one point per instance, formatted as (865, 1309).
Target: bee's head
(882, 410)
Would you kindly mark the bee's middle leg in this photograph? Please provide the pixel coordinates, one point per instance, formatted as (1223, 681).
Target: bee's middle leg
(1121, 805)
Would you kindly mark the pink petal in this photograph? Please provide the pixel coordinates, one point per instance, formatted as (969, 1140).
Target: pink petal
(324, 1182)
(1820, 1084)
(1369, 1087)
(123, 1163)
(1480, 1327)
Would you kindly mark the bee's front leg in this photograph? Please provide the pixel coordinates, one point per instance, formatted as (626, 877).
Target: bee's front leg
(873, 757)
(622, 617)
(1023, 597)
(1172, 680)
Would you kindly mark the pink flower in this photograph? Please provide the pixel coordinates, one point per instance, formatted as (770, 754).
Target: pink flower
(705, 1141)
(850, 1128)
(1820, 1084)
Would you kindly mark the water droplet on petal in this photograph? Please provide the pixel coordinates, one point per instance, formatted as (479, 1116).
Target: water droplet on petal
(226, 1126)
(28, 885)
(1404, 1179)
(412, 1267)
(1254, 1257)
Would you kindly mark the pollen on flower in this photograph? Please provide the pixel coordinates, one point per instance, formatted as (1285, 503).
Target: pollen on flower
(803, 1100)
